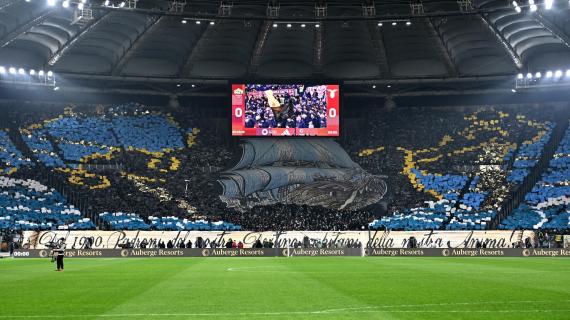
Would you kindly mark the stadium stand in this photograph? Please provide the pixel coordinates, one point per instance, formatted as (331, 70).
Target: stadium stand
(545, 206)
(457, 175)
(30, 205)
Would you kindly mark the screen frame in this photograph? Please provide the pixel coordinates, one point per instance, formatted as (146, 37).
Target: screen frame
(311, 82)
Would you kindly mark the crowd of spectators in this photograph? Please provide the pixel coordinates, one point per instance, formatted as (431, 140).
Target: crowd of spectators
(446, 168)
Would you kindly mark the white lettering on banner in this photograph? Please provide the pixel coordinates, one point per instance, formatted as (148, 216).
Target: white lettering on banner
(330, 239)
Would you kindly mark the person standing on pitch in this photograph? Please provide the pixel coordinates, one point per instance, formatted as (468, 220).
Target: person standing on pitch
(59, 251)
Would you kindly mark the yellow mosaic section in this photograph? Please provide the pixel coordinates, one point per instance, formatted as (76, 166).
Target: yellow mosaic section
(412, 158)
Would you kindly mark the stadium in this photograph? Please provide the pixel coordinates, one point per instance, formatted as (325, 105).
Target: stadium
(249, 159)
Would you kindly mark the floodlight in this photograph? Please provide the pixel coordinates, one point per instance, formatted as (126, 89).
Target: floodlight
(65, 4)
(32, 72)
(549, 74)
(21, 71)
(558, 73)
(538, 75)
(520, 76)
(548, 4)
(41, 73)
(2, 70)
(529, 75)
(50, 74)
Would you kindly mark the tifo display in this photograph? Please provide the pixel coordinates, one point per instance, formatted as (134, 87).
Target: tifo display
(285, 110)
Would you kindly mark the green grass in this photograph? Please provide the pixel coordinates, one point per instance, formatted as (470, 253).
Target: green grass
(286, 288)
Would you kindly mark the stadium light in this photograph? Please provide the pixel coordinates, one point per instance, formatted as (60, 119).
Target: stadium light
(518, 9)
(513, 90)
(212, 23)
(529, 75)
(193, 86)
(394, 23)
(515, 4)
(303, 25)
(275, 25)
(41, 73)
(65, 4)
(380, 24)
(549, 74)
(198, 22)
(568, 73)
(388, 86)
(21, 71)
(548, 4)
(374, 87)
(107, 3)
(408, 23)
(184, 21)
(32, 72)
(289, 25)
(51, 3)
(122, 4)
(50, 74)
(2, 70)
(538, 75)
(80, 6)
(558, 74)
(520, 76)
(56, 88)
(317, 25)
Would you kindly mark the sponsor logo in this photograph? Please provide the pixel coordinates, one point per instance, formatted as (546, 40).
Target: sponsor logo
(205, 253)
(526, 253)
(238, 91)
(445, 252)
(124, 253)
(43, 254)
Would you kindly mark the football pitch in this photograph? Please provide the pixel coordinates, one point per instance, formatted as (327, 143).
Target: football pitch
(286, 288)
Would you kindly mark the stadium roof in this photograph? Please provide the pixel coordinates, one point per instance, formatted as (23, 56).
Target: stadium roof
(353, 41)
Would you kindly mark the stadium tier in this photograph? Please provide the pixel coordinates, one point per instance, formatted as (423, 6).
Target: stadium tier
(173, 175)
(29, 205)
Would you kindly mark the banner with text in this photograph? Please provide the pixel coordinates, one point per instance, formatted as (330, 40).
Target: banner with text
(282, 239)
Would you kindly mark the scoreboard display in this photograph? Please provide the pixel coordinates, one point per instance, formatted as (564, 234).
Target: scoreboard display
(285, 110)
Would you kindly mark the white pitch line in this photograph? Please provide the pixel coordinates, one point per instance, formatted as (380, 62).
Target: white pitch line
(364, 309)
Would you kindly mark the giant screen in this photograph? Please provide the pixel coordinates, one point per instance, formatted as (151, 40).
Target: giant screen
(285, 110)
